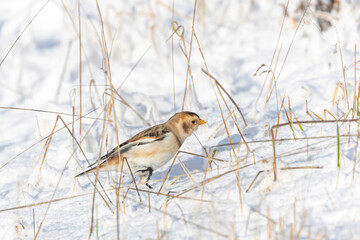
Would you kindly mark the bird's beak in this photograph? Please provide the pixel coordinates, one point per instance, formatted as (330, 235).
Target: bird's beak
(201, 122)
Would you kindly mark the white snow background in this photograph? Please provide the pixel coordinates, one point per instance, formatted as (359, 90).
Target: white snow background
(129, 47)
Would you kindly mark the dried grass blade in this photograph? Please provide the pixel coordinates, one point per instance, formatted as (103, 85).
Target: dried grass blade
(227, 94)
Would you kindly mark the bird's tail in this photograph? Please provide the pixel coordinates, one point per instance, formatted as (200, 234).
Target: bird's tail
(87, 171)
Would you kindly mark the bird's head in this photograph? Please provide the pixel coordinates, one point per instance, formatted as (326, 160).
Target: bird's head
(185, 124)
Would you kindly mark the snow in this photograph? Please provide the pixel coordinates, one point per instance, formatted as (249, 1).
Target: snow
(39, 195)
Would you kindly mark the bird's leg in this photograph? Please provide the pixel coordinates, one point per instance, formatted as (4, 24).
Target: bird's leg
(149, 172)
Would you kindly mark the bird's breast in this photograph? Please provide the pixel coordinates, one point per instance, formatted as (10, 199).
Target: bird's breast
(154, 154)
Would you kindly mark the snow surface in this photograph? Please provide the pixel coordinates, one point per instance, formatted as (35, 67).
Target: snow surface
(42, 72)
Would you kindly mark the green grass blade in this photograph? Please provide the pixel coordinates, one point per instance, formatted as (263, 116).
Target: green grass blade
(214, 152)
(300, 127)
(293, 131)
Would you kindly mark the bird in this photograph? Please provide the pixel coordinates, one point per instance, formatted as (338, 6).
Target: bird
(150, 149)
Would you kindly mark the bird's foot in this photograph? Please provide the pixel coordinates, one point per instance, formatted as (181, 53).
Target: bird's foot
(148, 185)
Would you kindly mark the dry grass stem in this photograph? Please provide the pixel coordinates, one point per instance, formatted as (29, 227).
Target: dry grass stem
(167, 174)
(302, 167)
(80, 71)
(291, 43)
(22, 32)
(343, 69)
(227, 94)
(77, 34)
(186, 170)
(94, 184)
(276, 126)
(217, 99)
(253, 181)
(133, 178)
(276, 47)
(34, 222)
(53, 112)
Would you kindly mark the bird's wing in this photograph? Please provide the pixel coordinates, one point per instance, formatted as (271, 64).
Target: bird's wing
(150, 135)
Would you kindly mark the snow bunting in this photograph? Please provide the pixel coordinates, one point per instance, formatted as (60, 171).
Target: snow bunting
(150, 149)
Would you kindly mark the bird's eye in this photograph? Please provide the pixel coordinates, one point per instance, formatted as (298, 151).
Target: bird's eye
(193, 122)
